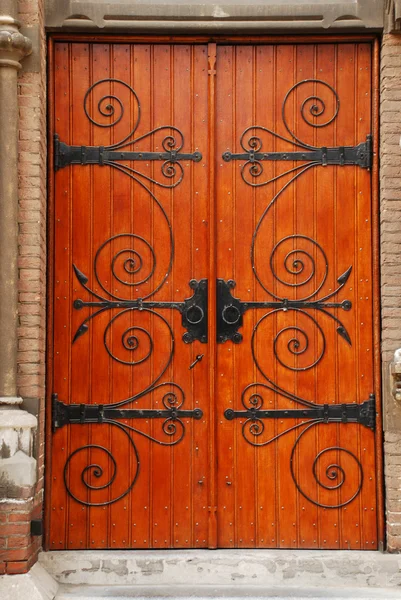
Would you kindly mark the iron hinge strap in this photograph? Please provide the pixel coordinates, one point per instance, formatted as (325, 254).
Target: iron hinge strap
(65, 155)
(194, 310)
(230, 310)
(361, 155)
(75, 414)
(364, 413)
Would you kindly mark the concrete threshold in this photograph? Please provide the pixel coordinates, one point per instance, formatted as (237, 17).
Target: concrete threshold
(228, 574)
(72, 592)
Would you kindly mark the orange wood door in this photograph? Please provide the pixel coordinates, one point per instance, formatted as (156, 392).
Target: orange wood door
(129, 468)
(295, 237)
(188, 412)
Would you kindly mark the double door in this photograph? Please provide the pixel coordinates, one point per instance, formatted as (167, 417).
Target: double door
(212, 348)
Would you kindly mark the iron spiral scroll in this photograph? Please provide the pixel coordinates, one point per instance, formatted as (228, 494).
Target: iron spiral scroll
(326, 468)
(110, 110)
(104, 467)
(129, 262)
(295, 261)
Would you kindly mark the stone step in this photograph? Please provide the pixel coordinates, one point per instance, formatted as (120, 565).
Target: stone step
(246, 569)
(87, 592)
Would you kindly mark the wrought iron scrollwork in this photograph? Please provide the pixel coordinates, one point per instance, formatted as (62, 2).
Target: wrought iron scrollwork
(172, 429)
(327, 470)
(296, 262)
(127, 273)
(193, 309)
(301, 257)
(298, 254)
(231, 310)
(110, 111)
(134, 263)
(334, 474)
(313, 113)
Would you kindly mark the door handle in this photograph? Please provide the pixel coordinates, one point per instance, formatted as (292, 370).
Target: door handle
(194, 313)
(230, 312)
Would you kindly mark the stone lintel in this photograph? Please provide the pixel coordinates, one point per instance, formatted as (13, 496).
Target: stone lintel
(214, 15)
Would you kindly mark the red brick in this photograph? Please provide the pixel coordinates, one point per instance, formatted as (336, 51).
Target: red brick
(29, 309)
(28, 286)
(29, 262)
(15, 529)
(17, 567)
(32, 356)
(29, 297)
(35, 368)
(14, 555)
(18, 541)
(19, 517)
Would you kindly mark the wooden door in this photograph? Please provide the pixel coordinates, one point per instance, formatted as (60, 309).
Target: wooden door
(296, 238)
(129, 460)
(211, 356)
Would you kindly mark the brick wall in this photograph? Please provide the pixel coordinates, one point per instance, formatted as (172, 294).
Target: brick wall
(17, 547)
(390, 190)
(18, 550)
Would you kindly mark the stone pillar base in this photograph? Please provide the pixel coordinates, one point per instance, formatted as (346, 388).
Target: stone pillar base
(18, 477)
(17, 466)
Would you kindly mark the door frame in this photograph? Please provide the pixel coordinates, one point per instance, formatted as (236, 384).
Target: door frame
(212, 41)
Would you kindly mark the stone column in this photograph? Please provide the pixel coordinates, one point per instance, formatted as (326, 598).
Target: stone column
(13, 47)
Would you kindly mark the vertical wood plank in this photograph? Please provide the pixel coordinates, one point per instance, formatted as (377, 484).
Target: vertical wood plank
(223, 218)
(61, 335)
(80, 235)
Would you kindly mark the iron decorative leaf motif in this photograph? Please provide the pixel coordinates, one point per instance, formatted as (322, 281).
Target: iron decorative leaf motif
(345, 276)
(82, 329)
(344, 334)
(80, 276)
(125, 268)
